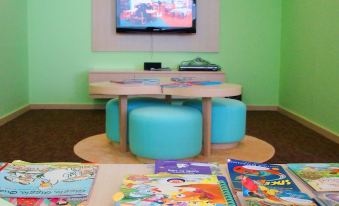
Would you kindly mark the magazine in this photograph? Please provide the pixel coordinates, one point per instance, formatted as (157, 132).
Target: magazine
(171, 189)
(266, 174)
(47, 180)
(185, 167)
(322, 177)
(256, 194)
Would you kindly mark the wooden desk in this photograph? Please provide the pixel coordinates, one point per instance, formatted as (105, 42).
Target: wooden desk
(206, 92)
(110, 177)
(105, 76)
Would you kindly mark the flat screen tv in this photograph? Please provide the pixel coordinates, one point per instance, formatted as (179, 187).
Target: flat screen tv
(156, 16)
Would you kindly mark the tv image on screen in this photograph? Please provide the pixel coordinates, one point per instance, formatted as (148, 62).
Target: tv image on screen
(156, 16)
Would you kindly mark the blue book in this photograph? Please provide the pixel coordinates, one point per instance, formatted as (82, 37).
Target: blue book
(255, 193)
(47, 180)
(266, 174)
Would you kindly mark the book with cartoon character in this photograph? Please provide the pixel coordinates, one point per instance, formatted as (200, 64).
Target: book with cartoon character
(185, 167)
(46, 180)
(257, 194)
(267, 174)
(171, 189)
(322, 177)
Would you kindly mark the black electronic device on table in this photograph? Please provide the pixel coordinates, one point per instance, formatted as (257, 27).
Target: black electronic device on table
(198, 64)
(152, 65)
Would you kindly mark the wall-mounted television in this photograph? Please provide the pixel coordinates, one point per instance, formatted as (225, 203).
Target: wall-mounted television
(156, 16)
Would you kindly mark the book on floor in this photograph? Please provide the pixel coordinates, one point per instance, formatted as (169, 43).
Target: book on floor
(186, 167)
(47, 180)
(255, 193)
(267, 174)
(173, 189)
(322, 177)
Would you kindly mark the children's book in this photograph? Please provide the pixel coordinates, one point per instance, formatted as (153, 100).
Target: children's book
(328, 199)
(171, 189)
(322, 177)
(257, 194)
(47, 180)
(226, 190)
(185, 167)
(46, 202)
(266, 174)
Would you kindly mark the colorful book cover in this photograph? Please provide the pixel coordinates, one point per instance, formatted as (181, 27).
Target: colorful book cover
(257, 194)
(329, 199)
(267, 174)
(171, 189)
(47, 180)
(322, 177)
(46, 201)
(185, 167)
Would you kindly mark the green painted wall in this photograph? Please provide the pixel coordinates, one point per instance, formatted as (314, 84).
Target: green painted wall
(60, 53)
(309, 83)
(13, 56)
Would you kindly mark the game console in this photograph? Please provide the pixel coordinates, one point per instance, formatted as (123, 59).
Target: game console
(199, 68)
(198, 64)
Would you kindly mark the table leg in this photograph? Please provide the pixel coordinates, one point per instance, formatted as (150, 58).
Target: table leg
(123, 122)
(207, 125)
(168, 99)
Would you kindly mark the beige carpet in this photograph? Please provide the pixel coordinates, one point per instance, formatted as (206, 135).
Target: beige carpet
(99, 149)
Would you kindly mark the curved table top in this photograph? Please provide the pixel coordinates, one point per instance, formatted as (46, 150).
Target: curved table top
(114, 88)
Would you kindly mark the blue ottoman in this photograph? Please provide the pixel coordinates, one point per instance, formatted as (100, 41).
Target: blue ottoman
(112, 114)
(228, 119)
(165, 132)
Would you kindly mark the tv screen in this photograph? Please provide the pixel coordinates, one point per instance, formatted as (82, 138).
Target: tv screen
(156, 16)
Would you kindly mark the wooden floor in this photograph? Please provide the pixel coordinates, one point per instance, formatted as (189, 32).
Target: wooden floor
(49, 135)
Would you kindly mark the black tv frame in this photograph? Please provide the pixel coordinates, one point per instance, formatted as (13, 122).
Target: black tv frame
(188, 30)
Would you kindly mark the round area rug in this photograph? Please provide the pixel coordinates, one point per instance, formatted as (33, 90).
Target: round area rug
(100, 149)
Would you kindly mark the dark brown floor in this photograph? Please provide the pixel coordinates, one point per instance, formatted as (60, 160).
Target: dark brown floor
(49, 135)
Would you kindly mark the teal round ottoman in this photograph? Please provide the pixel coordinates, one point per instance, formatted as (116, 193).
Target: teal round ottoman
(228, 119)
(165, 132)
(112, 114)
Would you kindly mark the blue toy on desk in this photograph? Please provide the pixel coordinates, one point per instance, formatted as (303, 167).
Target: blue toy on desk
(206, 83)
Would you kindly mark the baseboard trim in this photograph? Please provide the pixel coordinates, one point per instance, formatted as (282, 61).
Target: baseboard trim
(311, 125)
(68, 106)
(261, 108)
(13, 115)
(102, 106)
